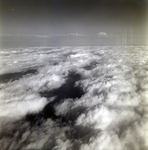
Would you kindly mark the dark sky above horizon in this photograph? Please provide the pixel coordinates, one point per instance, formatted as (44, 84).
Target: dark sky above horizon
(69, 16)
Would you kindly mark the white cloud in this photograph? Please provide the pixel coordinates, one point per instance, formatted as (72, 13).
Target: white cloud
(112, 111)
(102, 34)
(75, 34)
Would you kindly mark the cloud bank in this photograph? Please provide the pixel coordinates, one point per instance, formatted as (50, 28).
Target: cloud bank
(85, 98)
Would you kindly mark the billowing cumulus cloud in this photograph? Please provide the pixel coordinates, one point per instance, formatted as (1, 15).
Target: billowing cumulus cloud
(87, 98)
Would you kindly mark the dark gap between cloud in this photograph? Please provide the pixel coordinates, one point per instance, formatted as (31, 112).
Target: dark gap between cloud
(67, 90)
(4, 78)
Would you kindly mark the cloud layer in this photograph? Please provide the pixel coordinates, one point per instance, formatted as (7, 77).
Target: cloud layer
(85, 98)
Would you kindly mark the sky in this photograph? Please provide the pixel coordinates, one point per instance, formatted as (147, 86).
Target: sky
(65, 16)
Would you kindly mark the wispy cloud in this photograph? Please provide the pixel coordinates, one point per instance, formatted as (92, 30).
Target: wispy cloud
(45, 36)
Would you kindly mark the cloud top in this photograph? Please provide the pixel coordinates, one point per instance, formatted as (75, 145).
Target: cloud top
(91, 97)
(102, 34)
